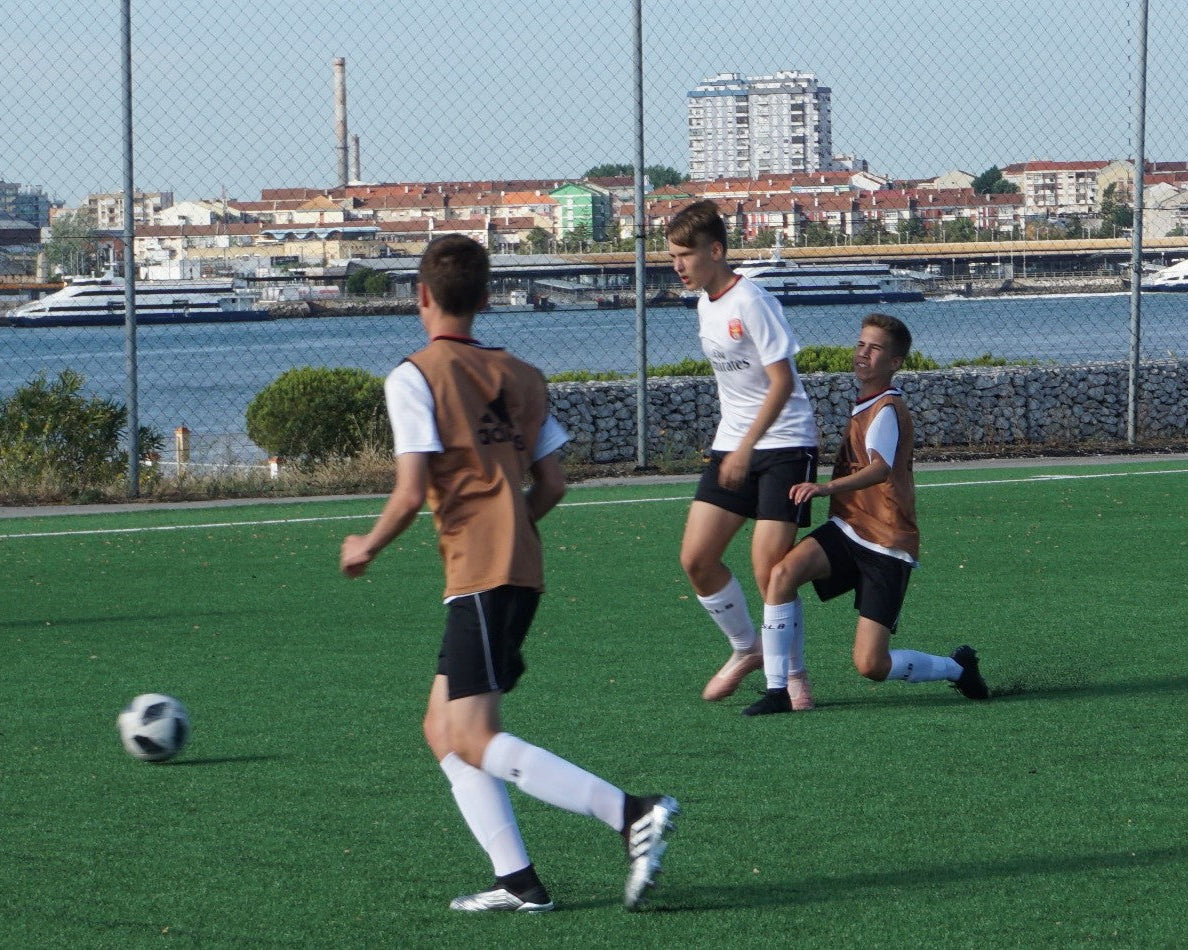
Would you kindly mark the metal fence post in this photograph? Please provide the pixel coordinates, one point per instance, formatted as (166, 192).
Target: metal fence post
(641, 314)
(129, 259)
(1136, 236)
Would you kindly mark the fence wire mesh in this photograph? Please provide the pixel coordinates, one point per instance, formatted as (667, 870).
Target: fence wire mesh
(300, 148)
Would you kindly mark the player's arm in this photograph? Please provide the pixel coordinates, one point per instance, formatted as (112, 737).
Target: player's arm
(882, 442)
(412, 480)
(548, 486)
(780, 383)
(877, 472)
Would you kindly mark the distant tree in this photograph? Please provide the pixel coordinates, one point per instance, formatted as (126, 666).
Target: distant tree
(367, 280)
(610, 170)
(962, 229)
(872, 232)
(818, 235)
(658, 175)
(661, 175)
(766, 237)
(991, 182)
(578, 239)
(537, 240)
(911, 231)
(1115, 214)
(1074, 227)
(376, 284)
(73, 244)
(656, 240)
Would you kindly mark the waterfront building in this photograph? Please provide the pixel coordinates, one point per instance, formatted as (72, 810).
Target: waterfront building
(27, 204)
(761, 125)
(107, 209)
(1053, 189)
(582, 203)
(1165, 206)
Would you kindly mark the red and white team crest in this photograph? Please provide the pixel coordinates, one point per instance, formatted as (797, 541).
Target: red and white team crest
(736, 329)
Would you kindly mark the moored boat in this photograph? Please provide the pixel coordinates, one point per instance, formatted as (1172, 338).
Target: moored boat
(99, 301)
(794, 284)
(1169, 280)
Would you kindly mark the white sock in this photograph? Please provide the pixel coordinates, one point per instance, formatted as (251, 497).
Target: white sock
(778, 628)
(913, 666)
(783, 642)
(552, 780)
(796, 648)
(728, 607)
(485, 805)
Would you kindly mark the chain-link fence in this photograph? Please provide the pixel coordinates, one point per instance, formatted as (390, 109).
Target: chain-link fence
(982, 157)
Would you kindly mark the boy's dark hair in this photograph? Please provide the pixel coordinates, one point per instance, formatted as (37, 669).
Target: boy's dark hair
(700, 219)
(456, 269)
(901, 336)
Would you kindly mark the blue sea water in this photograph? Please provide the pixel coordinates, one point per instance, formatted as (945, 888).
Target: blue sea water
(203, 376)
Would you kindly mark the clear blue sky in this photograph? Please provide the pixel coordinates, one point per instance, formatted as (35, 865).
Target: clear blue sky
(239, 95)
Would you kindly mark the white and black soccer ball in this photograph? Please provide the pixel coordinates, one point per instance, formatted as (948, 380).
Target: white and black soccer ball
(154, 727)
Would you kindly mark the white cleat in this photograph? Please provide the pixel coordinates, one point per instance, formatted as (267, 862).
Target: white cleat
(646, 847)
(498, 898)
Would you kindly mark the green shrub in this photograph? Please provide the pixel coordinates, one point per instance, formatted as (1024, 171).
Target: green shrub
(585, 376)
(367, 280)
(840, 359)
(310, 414)
(52, 435)
(376, 283)
(686, 367)
(811, 359)
(825, 359)
(358, 280)
(988, 359)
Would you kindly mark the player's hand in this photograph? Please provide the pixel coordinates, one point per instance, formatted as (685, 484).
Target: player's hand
(732, 472)
(355, 556)
(806, 490)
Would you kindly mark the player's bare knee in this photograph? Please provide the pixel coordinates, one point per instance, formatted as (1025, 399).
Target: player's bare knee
(707, 576)
(692, 563)
(781, 583)
(470, 747)
(875, 668)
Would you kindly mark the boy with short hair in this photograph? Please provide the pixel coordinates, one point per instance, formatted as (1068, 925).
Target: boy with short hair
(472, 424)
(766, 442)
(870, 543)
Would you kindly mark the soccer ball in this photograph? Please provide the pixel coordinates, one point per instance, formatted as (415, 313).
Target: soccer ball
(154, 727)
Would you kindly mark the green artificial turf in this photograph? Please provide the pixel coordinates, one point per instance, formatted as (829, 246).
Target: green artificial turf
(307, 812)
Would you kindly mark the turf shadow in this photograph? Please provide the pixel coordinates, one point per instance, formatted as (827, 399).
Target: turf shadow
(1013, 692)
(1003, 692)
(224, 760)
(50, 623)
(798, 892)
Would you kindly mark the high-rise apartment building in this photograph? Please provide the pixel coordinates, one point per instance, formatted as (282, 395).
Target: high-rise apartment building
(747, 127)
(24, 204)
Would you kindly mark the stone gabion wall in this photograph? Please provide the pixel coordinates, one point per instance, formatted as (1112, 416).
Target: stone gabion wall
(1010, 405)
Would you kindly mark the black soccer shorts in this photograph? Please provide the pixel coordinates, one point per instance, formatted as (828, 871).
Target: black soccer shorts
(764, 494)
(484, 633)
(879, 581)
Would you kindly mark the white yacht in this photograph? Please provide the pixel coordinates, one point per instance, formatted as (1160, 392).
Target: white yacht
(99, 301)
(1173, 279)
(820, 282)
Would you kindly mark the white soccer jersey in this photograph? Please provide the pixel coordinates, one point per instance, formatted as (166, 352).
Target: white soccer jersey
(743, 331)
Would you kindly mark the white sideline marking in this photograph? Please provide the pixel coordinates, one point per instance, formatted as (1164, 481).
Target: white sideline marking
(207, 525)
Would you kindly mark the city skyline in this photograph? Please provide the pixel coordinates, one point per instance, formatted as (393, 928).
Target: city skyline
(237, 99)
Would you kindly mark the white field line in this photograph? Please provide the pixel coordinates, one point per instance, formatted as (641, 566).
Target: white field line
(209, 525)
